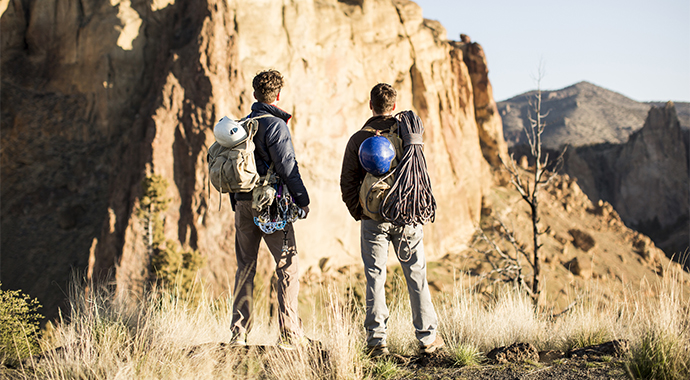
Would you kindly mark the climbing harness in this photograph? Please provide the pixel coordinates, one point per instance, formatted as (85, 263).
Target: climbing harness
(279, 214)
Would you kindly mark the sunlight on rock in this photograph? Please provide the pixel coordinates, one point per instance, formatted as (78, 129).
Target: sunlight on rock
(157, 5)
(130, 23)
(3, 6)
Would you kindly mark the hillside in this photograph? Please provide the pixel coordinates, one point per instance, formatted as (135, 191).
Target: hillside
(581, 114)
(588, 247)
(645, 179)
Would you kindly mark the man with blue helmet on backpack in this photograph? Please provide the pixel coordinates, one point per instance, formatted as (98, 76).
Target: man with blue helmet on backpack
(377, 234)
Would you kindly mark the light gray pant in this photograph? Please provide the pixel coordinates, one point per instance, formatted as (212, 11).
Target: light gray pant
(408, 244)
(247, 239)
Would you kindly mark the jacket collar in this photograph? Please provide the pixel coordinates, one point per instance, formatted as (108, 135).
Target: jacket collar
(259, 108)
(381, 122)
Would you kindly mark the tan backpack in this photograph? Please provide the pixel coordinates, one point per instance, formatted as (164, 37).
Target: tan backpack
(374, 189)
(233, 170)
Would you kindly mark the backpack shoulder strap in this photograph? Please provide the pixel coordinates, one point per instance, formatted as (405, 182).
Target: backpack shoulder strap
(369, 129)
(394, 129)
(251, 125)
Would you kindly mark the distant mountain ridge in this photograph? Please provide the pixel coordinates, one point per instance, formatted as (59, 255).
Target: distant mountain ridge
(581, 114)
(630, 154)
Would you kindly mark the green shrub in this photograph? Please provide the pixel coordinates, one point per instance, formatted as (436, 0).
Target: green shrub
(660, 356)
(19, 326)
(173, 268)
(176, 269)
(153, 202)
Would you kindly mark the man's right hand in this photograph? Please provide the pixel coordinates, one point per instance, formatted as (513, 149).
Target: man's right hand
(306, 212)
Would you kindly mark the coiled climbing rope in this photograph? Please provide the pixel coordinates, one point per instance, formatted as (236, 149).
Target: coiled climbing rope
(410, 200)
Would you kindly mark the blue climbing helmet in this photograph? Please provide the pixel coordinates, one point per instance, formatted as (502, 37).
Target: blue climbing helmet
(376, 154)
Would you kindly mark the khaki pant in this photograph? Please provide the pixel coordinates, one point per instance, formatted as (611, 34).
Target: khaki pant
(247, 239)
(409, 246)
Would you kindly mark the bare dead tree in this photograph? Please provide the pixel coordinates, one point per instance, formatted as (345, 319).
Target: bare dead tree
(529, 185)
(505, 266)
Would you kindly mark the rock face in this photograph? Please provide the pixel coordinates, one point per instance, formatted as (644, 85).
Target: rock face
(645, 179)
(98, 95)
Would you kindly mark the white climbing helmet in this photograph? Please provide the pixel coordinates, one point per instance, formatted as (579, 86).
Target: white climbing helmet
(229, 133)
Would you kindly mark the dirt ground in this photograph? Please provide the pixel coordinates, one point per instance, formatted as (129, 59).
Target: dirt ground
(442, 367)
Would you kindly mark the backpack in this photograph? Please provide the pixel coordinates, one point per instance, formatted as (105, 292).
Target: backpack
(233, 170)
(374, 189)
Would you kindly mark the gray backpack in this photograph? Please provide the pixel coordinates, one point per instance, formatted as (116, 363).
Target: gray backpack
(233, 169)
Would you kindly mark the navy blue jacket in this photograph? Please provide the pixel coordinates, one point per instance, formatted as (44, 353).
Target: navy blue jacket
(274, 144)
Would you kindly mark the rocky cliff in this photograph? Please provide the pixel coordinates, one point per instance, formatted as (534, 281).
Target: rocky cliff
(645, 179)
(98, 95)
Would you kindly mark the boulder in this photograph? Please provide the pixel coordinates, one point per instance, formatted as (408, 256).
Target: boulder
(580, 266)
(514, 353)
(582, 239)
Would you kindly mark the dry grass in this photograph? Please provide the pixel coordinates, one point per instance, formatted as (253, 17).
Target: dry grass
(163, 336)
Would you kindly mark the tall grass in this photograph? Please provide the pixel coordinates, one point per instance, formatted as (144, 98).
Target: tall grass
(661, 348)
(657, 328)
(466, 317)
(162, 335)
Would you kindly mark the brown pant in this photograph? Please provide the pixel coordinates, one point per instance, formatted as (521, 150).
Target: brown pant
(247, 239)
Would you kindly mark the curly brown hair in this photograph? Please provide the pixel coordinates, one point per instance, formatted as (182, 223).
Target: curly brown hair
(267, 85)
(383, 98)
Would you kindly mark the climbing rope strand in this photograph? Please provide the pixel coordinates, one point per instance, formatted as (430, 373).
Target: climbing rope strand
(410, 200)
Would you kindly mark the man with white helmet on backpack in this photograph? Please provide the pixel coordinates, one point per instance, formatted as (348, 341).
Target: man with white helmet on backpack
(274, 151)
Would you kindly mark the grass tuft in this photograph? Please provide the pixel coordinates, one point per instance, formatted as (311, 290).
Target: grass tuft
(659, 355)
(467, 355)
(383, 369)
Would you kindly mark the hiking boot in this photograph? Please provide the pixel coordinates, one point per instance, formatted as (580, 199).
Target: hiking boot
(433, 346)
(291, 343)
(238, 339)
(377, 350)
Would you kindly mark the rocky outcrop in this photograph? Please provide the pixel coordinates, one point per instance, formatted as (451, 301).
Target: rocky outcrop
(514, 353)
(98, 95)
(486, 112)
(645, 180)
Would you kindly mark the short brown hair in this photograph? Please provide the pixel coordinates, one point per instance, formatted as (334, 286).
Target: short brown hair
(267, 85)
(383, 98)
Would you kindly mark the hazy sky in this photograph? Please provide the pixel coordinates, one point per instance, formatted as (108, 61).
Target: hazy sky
(640, 49)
